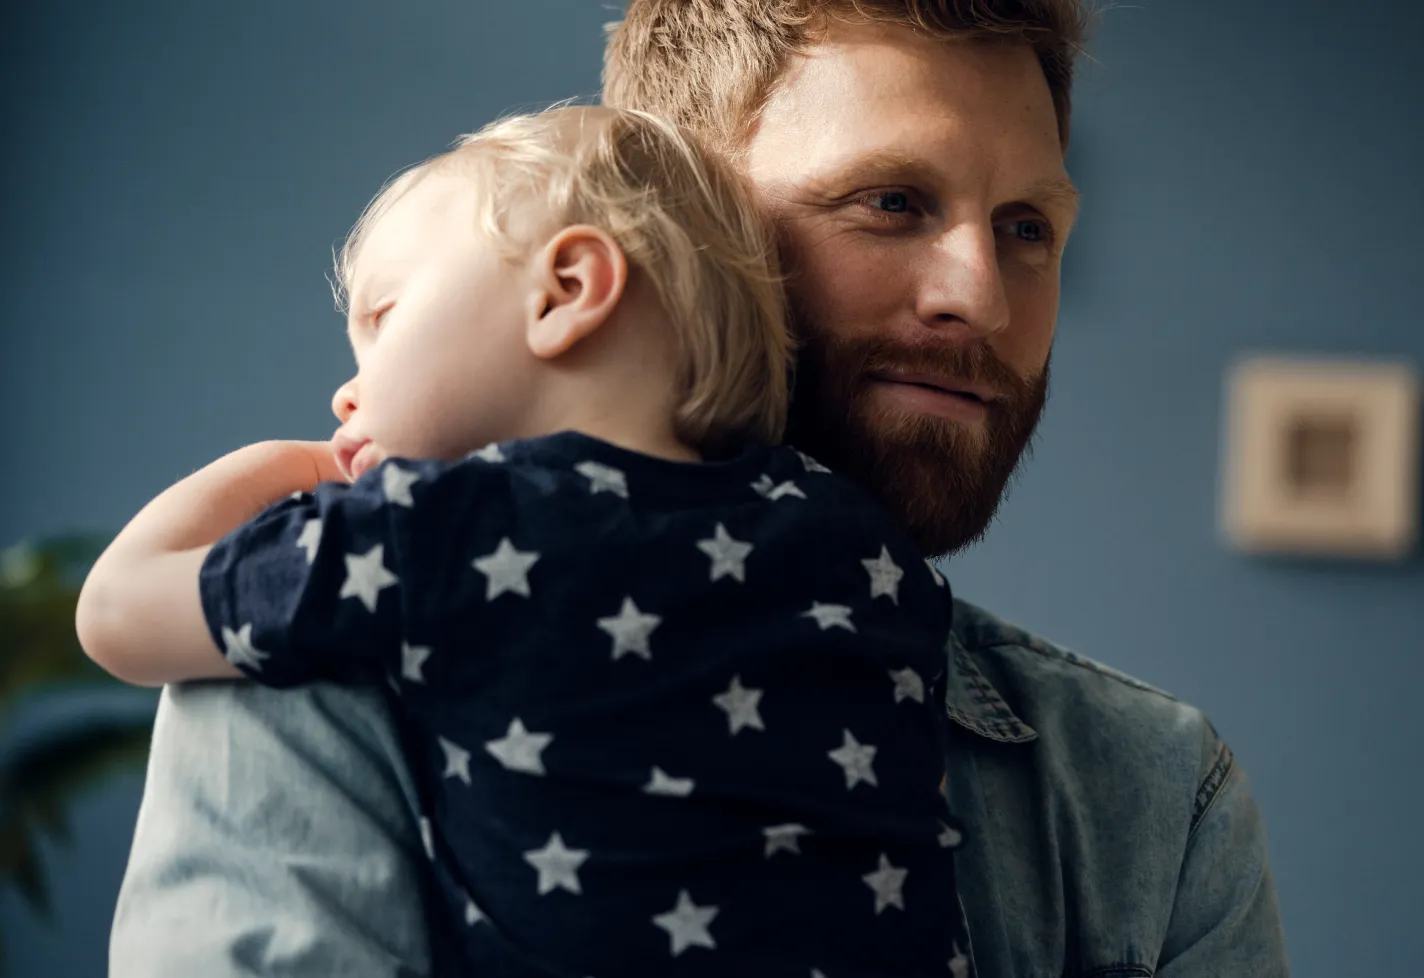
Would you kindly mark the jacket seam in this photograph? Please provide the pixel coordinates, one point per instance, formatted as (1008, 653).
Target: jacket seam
(1062, 655)
(1120, 971)
(989, 717)
(1211, 787)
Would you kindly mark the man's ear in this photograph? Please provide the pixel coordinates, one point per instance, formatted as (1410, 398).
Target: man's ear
(579, 278)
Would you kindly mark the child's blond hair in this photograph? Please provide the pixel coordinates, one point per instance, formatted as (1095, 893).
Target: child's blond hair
(685, 222)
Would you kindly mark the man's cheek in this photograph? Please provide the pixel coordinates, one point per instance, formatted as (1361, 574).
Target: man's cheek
(1025, 346)
(842, 306)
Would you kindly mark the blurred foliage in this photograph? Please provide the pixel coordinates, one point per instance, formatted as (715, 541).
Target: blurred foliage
(41, 776)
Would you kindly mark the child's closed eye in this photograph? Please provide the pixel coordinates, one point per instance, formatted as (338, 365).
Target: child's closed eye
(378, 313)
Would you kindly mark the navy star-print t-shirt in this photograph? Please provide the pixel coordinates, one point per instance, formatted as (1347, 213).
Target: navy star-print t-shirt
(665, 718)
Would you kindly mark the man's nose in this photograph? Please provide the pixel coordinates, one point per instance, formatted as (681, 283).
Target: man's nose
(962, 290)
(343, 402)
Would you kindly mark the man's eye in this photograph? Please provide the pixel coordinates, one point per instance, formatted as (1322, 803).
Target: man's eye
(890, 202)
(1031, 230)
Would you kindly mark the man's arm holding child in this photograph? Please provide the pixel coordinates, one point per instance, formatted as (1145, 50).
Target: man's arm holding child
(277, 834)
(277, 839)
(139, 614)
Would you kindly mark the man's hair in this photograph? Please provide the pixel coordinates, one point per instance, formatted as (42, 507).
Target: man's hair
(685, 221)
(710, 65)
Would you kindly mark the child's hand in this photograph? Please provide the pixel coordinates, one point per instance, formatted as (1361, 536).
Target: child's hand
(219, 497)
(139, 614)
(321, 456)
(244, 483)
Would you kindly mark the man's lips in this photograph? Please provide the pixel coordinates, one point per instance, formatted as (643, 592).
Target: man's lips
(935, 395)
(935, 382)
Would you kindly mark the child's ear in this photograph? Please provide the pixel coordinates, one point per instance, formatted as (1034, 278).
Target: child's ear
(579, 278)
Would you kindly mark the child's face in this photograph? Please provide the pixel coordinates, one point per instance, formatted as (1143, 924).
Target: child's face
(437, 325)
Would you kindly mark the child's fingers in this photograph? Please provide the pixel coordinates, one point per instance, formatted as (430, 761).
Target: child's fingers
(323, 459)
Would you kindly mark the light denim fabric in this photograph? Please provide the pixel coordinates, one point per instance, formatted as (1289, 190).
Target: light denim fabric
(1112, 835)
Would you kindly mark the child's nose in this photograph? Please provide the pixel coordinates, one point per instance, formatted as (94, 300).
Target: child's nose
(343, 402)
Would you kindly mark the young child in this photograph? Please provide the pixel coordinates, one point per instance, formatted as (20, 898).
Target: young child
(673, 698)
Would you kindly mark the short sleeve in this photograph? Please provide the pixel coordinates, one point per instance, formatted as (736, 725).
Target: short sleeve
(314, 588)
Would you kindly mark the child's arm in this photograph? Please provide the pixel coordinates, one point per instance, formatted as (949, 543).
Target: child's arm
(139, 614)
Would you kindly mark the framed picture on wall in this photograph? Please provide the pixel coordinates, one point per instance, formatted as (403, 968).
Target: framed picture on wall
(1322, 457)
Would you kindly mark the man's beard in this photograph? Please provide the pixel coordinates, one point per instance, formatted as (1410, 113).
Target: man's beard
(940, 480)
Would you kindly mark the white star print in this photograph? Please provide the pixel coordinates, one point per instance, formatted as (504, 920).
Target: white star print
(457, 760)
(310, 538)
(507, 570)
(427, 838)
(949, 836)
(740, 705)
(686, 924)
(934, 571)
(787, 837)
(239, 650)
(396, 483)
(490, 453)
(557, 865)
(603, 478)
(519, 750)
(366, 575)
(959, 964)
(774, 491)
(662, 783)
(728, 555)
(413, 662)
(885, 575)
(473, 913)
(908, 685)
(630, 629)
(830, 616)
(888, 883)
(855, 759)
(811, 464)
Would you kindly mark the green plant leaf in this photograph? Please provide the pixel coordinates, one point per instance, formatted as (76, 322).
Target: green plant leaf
(39, 587)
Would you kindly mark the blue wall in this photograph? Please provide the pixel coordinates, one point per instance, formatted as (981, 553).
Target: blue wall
(175, 175)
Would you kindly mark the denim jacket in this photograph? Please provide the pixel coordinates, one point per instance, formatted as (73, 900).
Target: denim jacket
(1111, 833)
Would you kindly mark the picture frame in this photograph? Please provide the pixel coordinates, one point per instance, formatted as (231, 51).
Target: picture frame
(1321, 457)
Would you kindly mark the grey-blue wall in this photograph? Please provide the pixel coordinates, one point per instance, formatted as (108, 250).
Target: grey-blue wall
(175, 175)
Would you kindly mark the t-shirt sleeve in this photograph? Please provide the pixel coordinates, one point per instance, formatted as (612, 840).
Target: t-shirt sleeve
(314, 587)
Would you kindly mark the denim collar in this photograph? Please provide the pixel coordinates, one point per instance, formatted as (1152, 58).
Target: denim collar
(970, 698)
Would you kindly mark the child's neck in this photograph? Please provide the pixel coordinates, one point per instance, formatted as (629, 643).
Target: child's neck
(658, 444)
(613, 386)
(629, 416)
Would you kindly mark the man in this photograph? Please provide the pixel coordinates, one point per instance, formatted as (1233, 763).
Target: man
(912, 153)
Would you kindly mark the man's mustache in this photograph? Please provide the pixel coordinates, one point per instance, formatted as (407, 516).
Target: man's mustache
(975, 365)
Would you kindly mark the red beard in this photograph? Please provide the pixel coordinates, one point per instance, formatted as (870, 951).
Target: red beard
(942, 481)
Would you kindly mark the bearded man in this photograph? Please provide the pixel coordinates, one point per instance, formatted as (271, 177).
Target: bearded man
(911, 153)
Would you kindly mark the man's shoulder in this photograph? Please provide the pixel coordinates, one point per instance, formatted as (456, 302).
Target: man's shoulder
(1034, 660)
(1092, 722)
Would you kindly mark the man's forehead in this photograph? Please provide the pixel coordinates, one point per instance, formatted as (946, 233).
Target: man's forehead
(878, 96)
(878, 63)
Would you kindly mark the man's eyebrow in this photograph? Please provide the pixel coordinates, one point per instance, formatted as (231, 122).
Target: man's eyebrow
(880, 165)
(1055, 190)
(891, 165)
